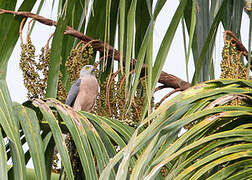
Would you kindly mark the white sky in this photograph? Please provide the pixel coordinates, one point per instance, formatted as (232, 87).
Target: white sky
(175, 63)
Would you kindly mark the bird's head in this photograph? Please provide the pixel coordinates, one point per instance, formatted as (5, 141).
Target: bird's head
(87, 70)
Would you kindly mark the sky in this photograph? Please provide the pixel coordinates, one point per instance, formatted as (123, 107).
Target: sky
(175, 62)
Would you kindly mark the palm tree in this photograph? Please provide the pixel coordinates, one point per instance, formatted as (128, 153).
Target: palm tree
(128, 136)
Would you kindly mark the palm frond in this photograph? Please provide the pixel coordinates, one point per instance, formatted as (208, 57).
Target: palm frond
(220, 132)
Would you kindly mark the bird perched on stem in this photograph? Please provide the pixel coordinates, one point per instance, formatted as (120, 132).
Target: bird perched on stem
(83, 93)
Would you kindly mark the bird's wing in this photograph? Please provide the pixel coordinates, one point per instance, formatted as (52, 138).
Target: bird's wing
(74, 90)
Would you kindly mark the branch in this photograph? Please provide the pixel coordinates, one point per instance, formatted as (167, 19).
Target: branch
(167, 80)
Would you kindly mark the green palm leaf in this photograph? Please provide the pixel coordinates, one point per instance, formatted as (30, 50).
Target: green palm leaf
(169, 120)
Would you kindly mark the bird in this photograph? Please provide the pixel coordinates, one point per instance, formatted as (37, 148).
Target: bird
(83, 93)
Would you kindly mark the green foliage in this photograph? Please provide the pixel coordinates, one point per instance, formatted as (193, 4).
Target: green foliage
(214, 123)
(217, 143)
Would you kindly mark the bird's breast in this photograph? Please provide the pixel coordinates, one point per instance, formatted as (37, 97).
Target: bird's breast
(89, 84)
(88, 92)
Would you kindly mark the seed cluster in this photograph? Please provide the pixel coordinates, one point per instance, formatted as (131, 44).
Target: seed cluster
(112, 103)
(231, 65)
(61, 93)
(79, 57)
(35, 72)
(164, 171)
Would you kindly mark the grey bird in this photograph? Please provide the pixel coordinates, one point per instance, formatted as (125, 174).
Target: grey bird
(84, 91)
